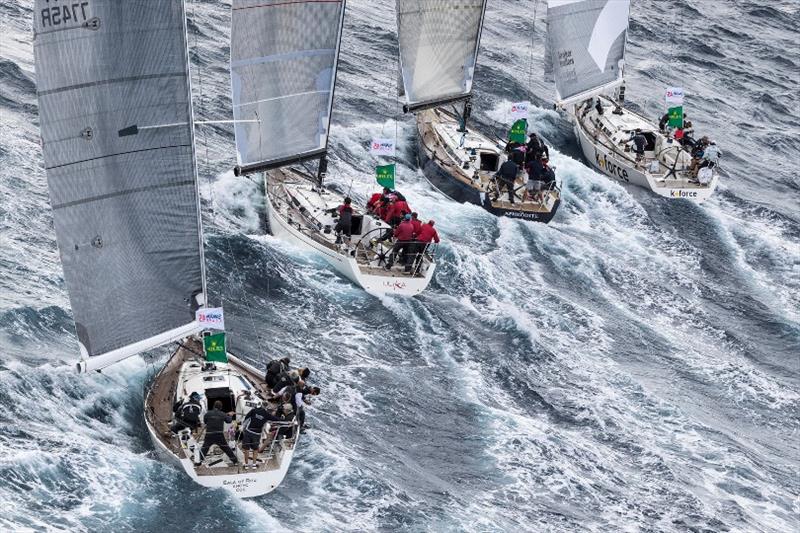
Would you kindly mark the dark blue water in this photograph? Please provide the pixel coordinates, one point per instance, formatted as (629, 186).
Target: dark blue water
(633, 366)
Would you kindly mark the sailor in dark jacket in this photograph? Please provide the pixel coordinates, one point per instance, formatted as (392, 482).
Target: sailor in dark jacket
(505, 178)
(187, 414)
(215, 421)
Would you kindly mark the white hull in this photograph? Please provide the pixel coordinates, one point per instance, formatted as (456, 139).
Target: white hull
(373, 280)
(609, 158)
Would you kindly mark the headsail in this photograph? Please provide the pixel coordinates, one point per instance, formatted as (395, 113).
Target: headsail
(586, 45)
(284, 58)
(123, 193)
(438, 42)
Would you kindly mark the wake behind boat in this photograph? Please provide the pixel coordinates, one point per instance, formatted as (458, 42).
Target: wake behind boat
(282, 91)
(438, 50)
(587, 63)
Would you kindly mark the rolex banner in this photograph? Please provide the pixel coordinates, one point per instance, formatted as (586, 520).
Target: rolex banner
(215, 348)
(675, 115)
(385, 175)
(518, 131)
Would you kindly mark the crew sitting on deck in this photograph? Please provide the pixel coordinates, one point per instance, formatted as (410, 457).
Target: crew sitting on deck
(404, 236)
(599, 107)
(506, 177)
(398, 210)
(662, 124)
(187, 414)
(215, 421)
(275, 369)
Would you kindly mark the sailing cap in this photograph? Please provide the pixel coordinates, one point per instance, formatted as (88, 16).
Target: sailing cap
(194, 396)
(408, 216)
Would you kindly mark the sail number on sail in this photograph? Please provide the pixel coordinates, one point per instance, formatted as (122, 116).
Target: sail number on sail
(63, 13)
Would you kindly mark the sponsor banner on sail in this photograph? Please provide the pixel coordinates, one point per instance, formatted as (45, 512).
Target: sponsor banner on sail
(520, 110)
(385, 175)
(673, 96)
(214, 346)
(675, 115)
(384, 147)
(211, 318)
(518, 131)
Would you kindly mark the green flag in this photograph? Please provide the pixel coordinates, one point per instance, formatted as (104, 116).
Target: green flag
(675, 117)
(215, 348)
(385, 175)
(519, 131)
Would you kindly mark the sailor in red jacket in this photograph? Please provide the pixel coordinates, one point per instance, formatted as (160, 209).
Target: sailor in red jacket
(417, 224)
(404, 237)
(397, 212)
(428, 233)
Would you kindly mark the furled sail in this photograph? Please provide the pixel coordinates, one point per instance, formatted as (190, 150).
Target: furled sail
(118, 144)
(438, 42)
(284, 57)
(585, 45)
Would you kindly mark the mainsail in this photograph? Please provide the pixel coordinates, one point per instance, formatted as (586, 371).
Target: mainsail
(284, 58)
(438, 42)
(118, 144)
(585, 45)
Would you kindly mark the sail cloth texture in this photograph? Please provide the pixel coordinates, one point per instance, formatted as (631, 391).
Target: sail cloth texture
(438, 42)
(283, 69)
(125, 208)
(585, 43)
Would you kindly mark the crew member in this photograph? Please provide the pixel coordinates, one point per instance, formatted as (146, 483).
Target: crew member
(404, 236)
(505, 178)
(215, 421)
(344, 225)
(187, 414)
(252, 427)
(426, 235)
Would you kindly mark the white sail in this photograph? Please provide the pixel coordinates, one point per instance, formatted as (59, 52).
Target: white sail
(284, 57)
(585, 45)
(123, 190)
(438, 41)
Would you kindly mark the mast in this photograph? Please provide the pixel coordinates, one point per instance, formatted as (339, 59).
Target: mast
(282, 81)
(124, 194)
(438, 42)
(585, 48)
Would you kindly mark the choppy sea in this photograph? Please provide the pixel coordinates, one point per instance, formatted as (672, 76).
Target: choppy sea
(632, 366)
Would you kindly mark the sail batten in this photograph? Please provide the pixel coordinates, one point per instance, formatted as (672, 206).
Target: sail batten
(438, 45)
(283, 66)
(125, 207)
(585, 46)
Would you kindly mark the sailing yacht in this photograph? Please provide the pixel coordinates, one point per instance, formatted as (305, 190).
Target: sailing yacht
(585, 55)
(117, 129)
(282, 84)
(438, 46)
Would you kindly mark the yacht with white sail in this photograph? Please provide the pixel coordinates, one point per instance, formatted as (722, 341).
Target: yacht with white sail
(282, 85)
(585, 55)
(117, 133)
(438, 47)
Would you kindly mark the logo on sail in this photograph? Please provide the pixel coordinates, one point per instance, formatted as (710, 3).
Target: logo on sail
(610, 24)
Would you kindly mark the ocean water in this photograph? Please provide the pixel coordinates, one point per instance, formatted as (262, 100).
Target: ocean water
(632, 366)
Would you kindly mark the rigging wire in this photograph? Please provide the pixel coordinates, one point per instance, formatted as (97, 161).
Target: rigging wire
(236, 270)
(530, 55)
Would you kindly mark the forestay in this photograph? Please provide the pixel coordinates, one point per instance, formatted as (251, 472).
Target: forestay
(438, 42)
(585, 44)
(125, 207)
(283, 69)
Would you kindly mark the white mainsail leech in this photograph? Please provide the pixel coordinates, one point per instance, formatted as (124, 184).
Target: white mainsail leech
(585, 46)
(125, 206)
(438, 42)
(283, 64)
